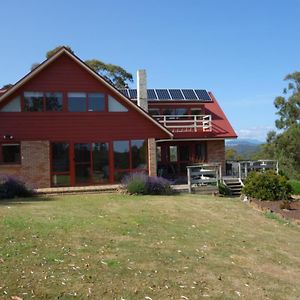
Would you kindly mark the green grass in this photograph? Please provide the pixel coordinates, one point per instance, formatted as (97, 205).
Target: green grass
(132, 247)
(295, 186)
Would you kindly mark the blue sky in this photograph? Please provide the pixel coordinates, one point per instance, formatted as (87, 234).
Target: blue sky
(239, 50)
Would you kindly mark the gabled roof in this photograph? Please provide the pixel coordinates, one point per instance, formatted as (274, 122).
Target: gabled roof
(65, 51)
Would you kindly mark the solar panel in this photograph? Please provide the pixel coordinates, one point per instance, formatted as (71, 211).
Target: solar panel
(132, 93)
(163, 94)
(151, 95)
(124, 92)
(202, 95)
(189, 95)
(176, 94)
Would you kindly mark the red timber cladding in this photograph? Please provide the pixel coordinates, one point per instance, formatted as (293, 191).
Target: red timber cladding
(65, 75)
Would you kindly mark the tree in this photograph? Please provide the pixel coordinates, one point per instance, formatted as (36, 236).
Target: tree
(53, 51)
(114, 74)
(285, 146)
(289, 107)
(232, 154)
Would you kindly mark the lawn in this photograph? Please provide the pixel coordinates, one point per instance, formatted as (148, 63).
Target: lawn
(113, 246)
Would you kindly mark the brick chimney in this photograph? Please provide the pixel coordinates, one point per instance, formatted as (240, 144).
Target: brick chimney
(142, 100)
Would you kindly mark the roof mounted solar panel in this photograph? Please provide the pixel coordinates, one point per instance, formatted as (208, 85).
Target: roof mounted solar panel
(176, 94)
(132, 93)
(124, 92)
(189, 94)
(203, 95)
(163, 94)
(151, 94)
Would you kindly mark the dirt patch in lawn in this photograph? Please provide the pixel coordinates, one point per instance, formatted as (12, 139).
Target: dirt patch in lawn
(274, 206)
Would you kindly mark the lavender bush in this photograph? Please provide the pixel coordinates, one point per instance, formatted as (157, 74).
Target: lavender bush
(142, 184)
(11, 187)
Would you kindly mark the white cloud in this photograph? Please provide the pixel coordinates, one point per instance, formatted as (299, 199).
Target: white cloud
(257, 132)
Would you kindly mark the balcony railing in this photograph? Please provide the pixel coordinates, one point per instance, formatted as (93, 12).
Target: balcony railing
(186, 123)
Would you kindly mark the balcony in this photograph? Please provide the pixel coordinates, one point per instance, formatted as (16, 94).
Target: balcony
(185, 123)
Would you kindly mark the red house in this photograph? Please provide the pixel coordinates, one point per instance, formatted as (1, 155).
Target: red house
(64, 125)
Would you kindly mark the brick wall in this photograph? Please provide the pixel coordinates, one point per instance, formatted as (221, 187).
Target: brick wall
(35, 164)
(216, 153)
(152, 164)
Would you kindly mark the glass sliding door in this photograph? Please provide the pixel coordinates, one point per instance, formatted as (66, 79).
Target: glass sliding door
(60, 167)
(83, 171)
(91, 163)
(100, 159)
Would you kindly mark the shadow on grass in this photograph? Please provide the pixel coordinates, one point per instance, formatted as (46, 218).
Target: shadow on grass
(24, 200)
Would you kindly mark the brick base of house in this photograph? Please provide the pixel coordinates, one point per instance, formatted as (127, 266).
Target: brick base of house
(34, 169)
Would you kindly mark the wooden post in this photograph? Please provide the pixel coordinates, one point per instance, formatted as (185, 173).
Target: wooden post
(189, 179)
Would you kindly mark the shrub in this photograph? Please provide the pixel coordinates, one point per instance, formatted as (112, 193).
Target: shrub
(11, 187)
(142, 184)
(135, 183)
(158, 186)
(224, 190)
(267, 186)
(295, 184)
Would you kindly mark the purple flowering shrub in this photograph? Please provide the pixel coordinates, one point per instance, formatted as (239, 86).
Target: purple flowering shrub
(11, 187)
(142, 184)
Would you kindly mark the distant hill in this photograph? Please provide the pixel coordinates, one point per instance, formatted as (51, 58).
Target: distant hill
(244, 147)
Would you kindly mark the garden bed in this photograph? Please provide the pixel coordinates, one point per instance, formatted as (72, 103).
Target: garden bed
(274, 206)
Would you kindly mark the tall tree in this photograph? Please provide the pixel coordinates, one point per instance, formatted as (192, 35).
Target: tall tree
(289, 106)
(285, 146)
(114, 74)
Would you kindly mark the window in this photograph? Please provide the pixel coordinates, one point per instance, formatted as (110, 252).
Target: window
(173, 153)
(33, 101)
(115, 106)
(139, 154)
(60, 164)
(184, 153)
(168, 111)
(196, 111)
(76, 102)
(121, 154)
(38, 101)
(96, 102)
(82, 102)
(54, 101)
(181, 111)
(100, 160)
(11, 154)
(200, 152)
(154, 111)
(13, 106)
(158, 153)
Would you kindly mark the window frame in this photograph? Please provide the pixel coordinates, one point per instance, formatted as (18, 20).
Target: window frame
(44, 102)
(14, 143)
(87, 102)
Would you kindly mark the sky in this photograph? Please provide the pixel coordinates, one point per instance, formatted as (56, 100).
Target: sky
(240, 50)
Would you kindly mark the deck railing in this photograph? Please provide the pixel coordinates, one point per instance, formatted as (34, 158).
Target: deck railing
(186, 123)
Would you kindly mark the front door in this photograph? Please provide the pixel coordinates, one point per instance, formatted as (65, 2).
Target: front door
(91, 162)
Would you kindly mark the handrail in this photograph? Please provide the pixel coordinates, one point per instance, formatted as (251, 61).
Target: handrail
(194, 122)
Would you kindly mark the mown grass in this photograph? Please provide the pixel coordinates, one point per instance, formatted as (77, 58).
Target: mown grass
(132, 247)
(295, 186)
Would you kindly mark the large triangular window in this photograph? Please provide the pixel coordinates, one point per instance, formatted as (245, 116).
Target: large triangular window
(115, 106)
(12, 106)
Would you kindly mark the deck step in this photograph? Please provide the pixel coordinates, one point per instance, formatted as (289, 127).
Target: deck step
(234, 185)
